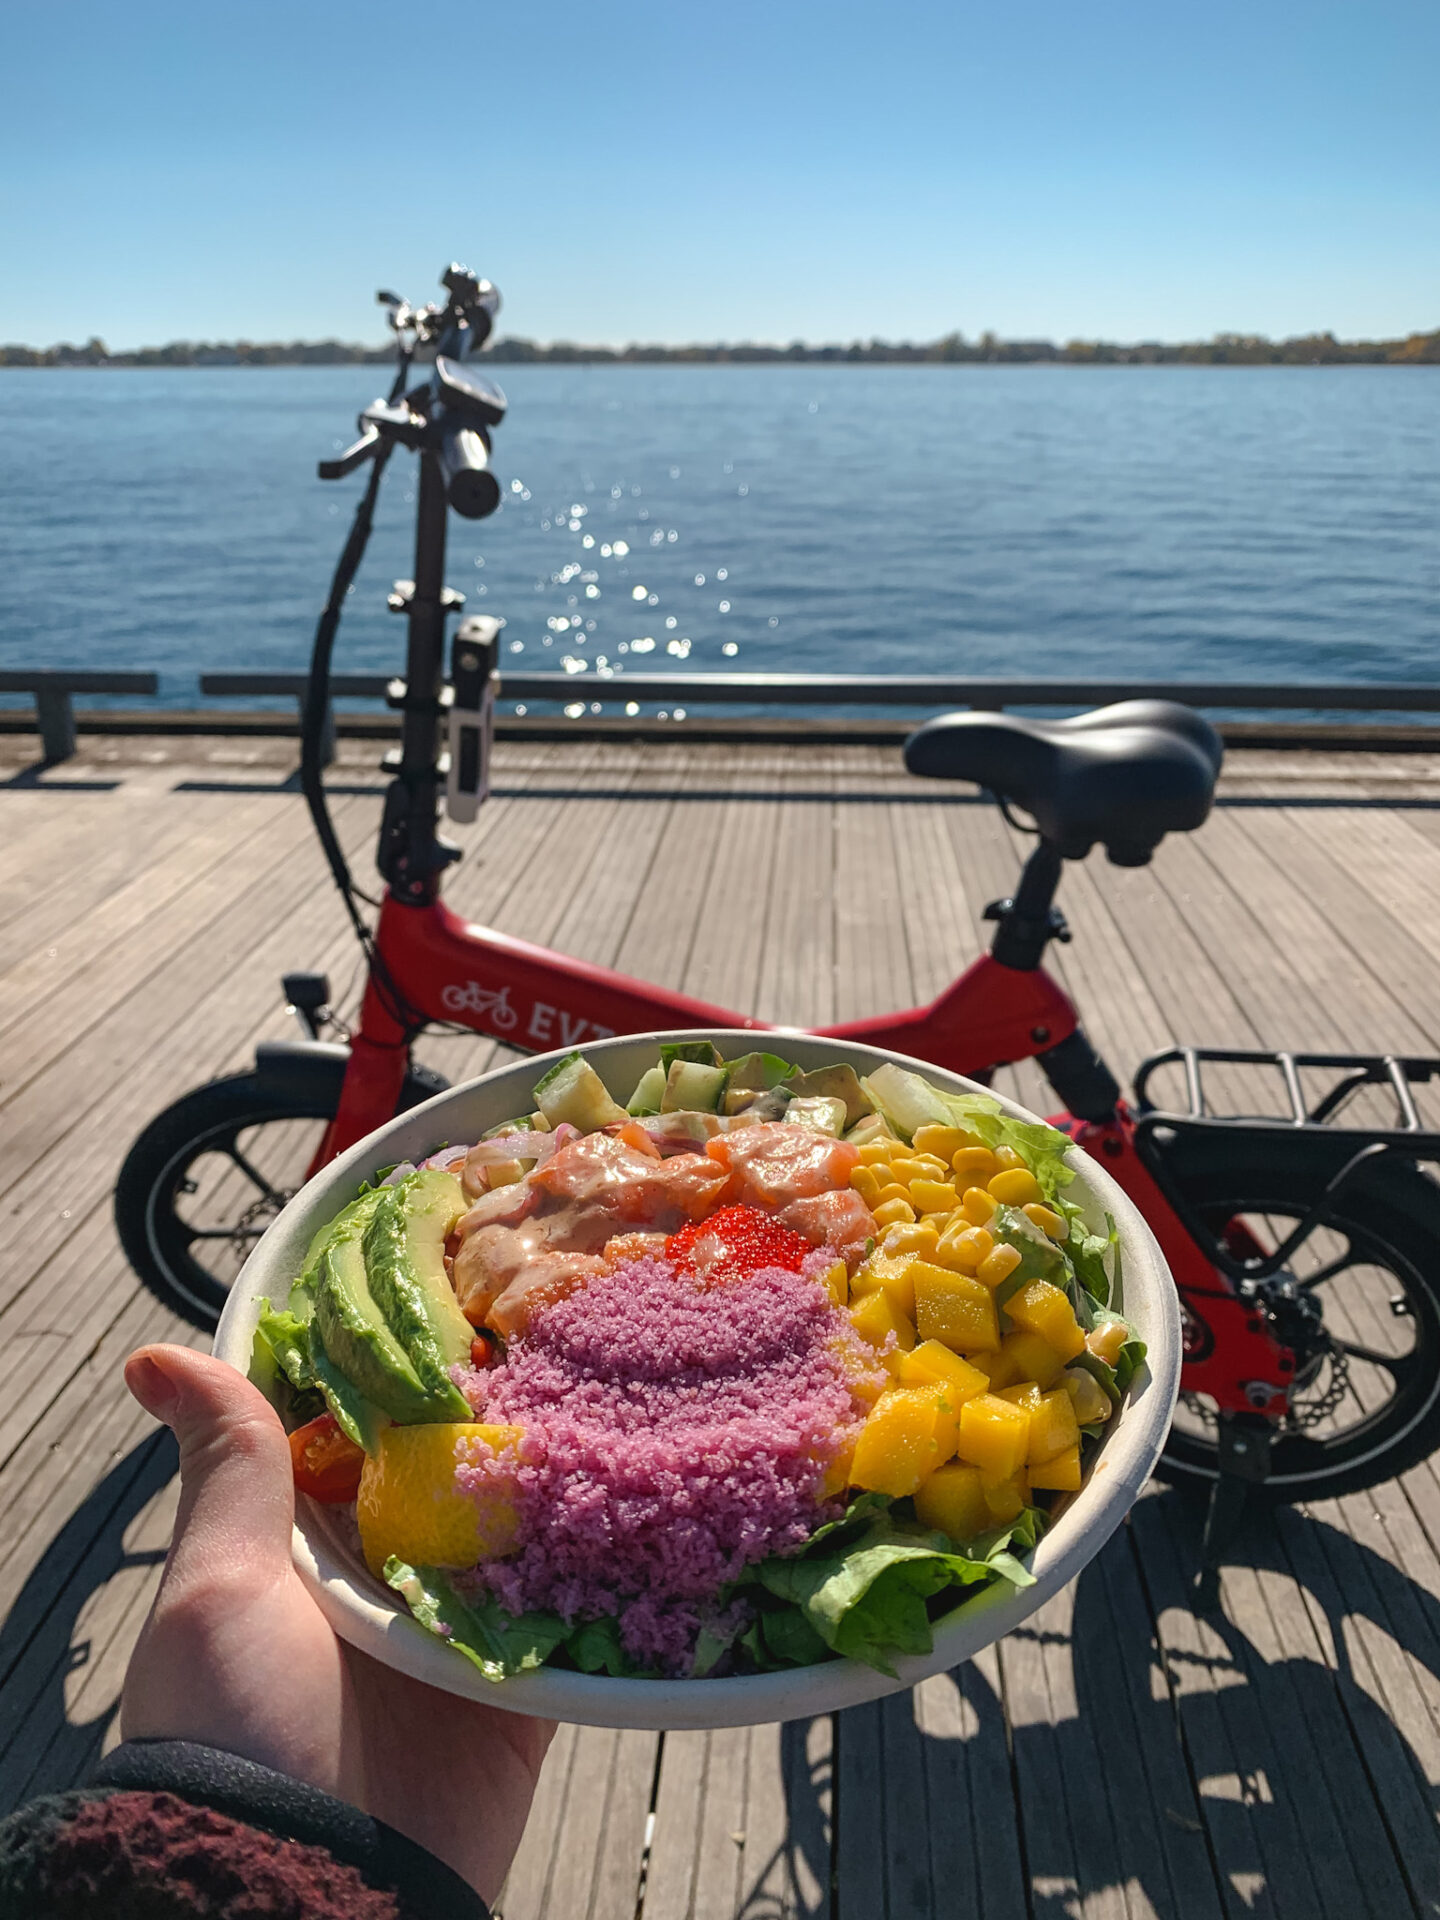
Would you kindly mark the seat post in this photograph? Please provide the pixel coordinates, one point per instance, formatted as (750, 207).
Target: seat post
(1029, 922)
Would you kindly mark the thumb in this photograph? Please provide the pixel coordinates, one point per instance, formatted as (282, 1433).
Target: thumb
(237, 1498)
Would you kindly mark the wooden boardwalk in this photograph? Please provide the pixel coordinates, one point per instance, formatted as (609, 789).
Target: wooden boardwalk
(1122, 1755)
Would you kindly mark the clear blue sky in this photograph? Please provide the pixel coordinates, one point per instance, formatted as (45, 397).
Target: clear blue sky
(677, 171)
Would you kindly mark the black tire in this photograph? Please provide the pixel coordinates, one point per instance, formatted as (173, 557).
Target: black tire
(168, 1203)
(1376, 1272)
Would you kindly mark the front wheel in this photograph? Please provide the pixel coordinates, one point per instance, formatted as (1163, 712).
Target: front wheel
(208, 1175)
(1366, 1402)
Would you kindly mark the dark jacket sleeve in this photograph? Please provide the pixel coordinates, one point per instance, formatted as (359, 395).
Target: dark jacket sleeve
(175, 1830)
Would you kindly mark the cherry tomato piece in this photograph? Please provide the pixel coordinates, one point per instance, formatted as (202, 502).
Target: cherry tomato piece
(326, 1464)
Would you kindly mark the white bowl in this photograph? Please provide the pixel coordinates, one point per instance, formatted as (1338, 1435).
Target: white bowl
(366, 1612)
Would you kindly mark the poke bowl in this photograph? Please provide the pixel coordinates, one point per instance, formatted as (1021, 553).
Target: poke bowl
(672, 1383)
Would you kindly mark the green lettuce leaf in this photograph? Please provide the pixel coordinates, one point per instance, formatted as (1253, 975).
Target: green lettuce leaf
(1042, 1148)
(287, 1337)
(500, 1644)
(595, 1647)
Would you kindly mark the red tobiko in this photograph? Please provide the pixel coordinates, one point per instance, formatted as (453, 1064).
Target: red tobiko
(734, 1243)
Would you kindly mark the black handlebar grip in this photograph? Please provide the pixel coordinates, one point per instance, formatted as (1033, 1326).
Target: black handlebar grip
(470, 486)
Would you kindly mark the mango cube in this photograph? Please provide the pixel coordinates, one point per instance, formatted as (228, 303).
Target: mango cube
(875, 1317)
(1035, 1359)
(994, 1435)
(954, 1309)
(1043, 1309)
(1005, 1500)
(1053, 1427)
(999, 1368)
(889, 1271)
(934, 1365)
(837, 1474)
(1060, 1475)
(836, 1282)
(947, 1424)
(952, 1502)
(896, 1448)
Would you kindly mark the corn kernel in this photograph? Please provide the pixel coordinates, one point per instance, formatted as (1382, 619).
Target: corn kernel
(1092, 1403)
(1106, 1340)
(964, 1248)
(892, 1191)
(906, 1168)
(930, 1167)
(867, 1184)
(918, 1238)
(998, 1264)
(937, 1222)
(891, 1212)
(941, 1141)
(974, 1164)
(978, 1206)
(1049, 1222)
(1007, 1157)
(1013, 1186)
(876, 1153)
(933, 1196)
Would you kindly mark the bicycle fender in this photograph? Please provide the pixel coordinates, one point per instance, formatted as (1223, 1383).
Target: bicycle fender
(299, 1067)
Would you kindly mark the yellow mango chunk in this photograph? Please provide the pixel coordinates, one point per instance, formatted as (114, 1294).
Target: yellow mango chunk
(952, 1502)
(1053, 1428)
(1106, 1340)
(933, 1365)
(994, 1435)
(1005, 1499)
(1035, 1359)
(836, 1282)
(1060, 1475)
(409, 1504)
(865, 1374)
(895, 1450)
(891, 1273)
(946, 1436)
(1000, 1369)
(837, 1475)
(1090, 1400)
(954, 1309)
(875, 1317)
(1043, 1309)
(916, 1238)
(1014, 1186)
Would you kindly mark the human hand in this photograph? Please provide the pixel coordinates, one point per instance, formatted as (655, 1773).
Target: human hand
(235, 1654)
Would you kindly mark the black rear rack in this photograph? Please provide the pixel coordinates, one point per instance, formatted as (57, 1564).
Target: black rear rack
(1396, 1072)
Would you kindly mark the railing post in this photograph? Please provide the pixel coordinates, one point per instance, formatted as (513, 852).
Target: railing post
(56, 717)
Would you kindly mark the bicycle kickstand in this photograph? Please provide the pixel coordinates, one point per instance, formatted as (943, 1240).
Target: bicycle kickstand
(1244, 1449)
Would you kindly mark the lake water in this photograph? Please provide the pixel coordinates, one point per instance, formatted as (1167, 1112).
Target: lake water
(1268, 523)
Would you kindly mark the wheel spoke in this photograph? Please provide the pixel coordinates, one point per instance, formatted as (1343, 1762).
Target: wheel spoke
(1328, 1271)
(1397, 1365)
(252, 1174)
(223, 1233)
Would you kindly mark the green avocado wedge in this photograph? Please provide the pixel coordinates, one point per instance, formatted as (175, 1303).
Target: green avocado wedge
(404, 1249)
(357, 1345)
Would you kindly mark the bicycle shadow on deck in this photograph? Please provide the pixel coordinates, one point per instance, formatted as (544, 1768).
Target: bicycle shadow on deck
(1288, 1772)
(42, 1641)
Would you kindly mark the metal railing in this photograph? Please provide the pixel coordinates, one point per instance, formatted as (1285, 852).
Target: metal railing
(53, 688)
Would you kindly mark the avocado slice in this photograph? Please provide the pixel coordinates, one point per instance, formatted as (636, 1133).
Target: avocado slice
(818, 1112)
(357, 1355)
(833, 1083)
(352, 1219)
(752, 1076)
(404, 1247)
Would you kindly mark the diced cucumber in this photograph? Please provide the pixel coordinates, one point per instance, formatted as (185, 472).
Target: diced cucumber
(905, 1099)
(693, 1087)
(833, 1083)
(703, 1052)
(573, 1092)
(817, 1112)
(649, 1091)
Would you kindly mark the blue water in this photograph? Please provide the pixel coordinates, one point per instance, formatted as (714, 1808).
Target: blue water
(1275, 523)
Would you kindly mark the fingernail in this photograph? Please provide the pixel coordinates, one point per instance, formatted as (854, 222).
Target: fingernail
(152, 1386)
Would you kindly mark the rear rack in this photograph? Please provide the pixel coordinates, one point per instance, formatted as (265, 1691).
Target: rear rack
(1396, 1072)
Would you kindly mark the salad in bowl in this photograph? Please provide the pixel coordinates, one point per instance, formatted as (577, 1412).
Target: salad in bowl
(704, 1371)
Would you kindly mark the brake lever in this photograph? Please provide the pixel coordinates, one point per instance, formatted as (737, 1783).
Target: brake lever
(364, 449)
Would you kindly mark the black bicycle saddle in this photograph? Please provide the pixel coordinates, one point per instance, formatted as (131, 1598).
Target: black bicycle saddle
(1124, 775)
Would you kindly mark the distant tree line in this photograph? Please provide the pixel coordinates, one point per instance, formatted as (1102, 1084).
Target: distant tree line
(1225, 350)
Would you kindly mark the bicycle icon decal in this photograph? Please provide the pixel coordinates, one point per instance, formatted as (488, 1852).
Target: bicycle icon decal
(473, 998)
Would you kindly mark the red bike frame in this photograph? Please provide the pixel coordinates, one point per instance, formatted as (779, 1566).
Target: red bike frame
(440, 967)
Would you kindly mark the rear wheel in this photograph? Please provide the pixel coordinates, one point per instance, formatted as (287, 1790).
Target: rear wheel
(208, 1175)
(1366, 1298)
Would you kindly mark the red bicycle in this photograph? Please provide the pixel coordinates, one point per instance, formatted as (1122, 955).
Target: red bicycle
(1306, 1249)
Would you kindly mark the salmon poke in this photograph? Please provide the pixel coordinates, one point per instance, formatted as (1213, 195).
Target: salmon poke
(757, 1369)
